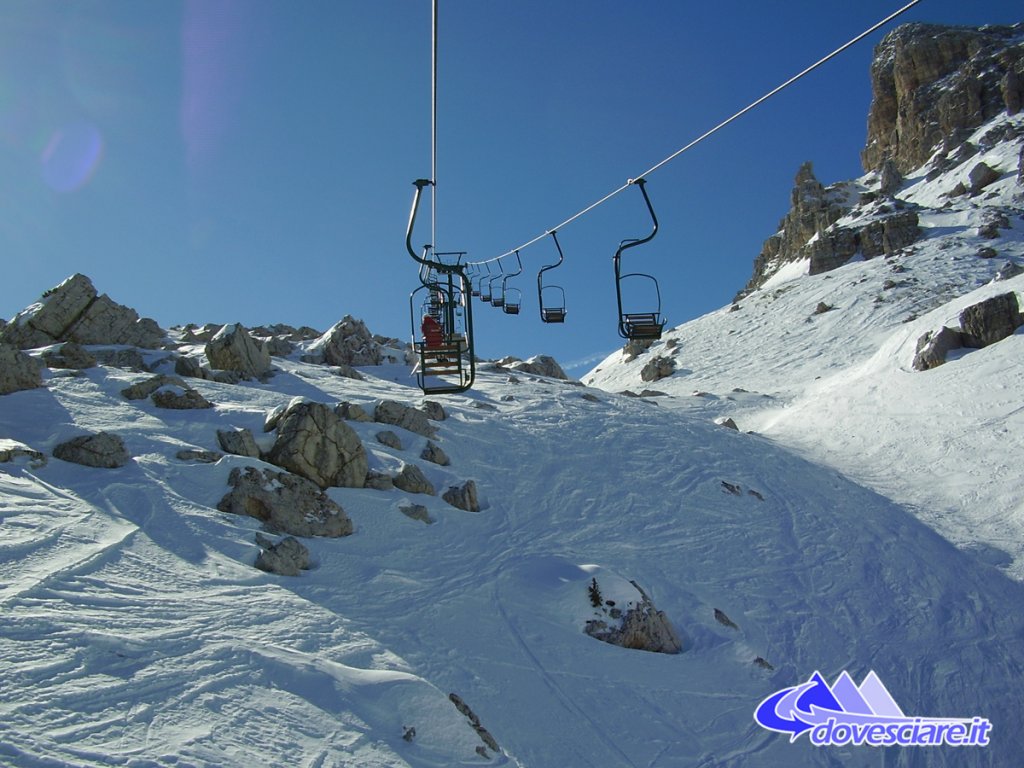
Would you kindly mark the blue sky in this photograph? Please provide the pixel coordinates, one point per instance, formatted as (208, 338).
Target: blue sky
(251, 160)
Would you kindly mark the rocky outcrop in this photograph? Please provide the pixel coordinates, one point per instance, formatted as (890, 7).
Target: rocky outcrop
(288, 557)
(931, 82)
(284, 502)
(313, 441)
(18, 371)
(74, 312)
(433, 453)
(348, 342)
(641, 627)
(233, 349)
(167, 392)
(13, 451)
(103, 449)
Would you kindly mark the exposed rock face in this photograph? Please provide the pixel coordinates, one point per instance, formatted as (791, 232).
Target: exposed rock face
(167, 392)
(348, 342)
(288, 557)
(12, 451)
(435, 454)
(314, 442)
(100, 450)
(284, 502)
(642, 627)
(990, 321)
(233, 349)
(930, 82)
(404, 416)
(18, 371)
(74, 312)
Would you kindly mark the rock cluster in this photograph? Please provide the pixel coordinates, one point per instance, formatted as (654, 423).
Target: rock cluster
(73, 311)
(288, 557)
(348, 342)
(233, 349)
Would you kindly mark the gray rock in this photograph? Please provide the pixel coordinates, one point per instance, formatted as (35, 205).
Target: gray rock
(348, 342)
(180, 399)
(932, 348)
(69, 355)
(412, 480)
(434, 410)
(990, 321)
(1008, 270)
(435, 454)
(233, 349)
(284, 502)
(379, 481)
(314, 442)
(18, 371)
(981, 176)
(539, 365)
(203, 457)
(352, 412)
(404, 416)
(129, 359)
(103, 449)
(189, 367)
(463, 496)
(143, 389)
(288, 557)
(658, 368)
(390, 439)
(417, 512)
(240, 442)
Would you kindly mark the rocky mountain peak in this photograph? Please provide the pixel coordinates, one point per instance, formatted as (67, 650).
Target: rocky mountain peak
(930, 83)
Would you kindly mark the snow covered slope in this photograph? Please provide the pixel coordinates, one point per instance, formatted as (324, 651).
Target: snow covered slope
(137, 632)
(838, 386)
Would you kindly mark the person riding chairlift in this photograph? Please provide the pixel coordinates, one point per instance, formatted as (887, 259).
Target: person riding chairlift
(433, 336)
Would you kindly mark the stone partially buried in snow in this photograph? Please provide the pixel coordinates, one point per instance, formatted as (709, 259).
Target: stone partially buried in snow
(313, 441)
(284, 502)
(463, 496)
(287, 557)
(539, 365)
(233, 349)
(658, 368)
(932, 348)
(991, 320)
(642, 627)
(349, 342)
(103, 449)
(18, 371)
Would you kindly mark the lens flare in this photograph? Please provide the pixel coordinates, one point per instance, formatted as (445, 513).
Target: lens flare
(71, 156)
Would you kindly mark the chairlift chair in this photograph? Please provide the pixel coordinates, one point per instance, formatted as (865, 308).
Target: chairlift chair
(551, 298)
(638, 325)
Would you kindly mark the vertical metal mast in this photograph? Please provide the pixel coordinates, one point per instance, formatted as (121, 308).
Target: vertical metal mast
(433, 129)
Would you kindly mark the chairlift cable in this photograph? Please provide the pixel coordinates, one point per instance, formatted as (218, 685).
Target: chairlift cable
(433, 124)
(875, 27)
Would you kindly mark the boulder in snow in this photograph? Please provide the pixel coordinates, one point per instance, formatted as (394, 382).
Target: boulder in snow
(463, 496)
(991, 320)
(412, 480)
(641, 627)
(239, 442)
(658, 368)
(932, 348)
(233, 349)
(100, 450)
(287, 557)
(284, 502)
(312, 441)
(18, 371)
(404, 416)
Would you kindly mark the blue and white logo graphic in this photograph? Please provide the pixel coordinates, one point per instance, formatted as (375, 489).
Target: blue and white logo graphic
(845, 713)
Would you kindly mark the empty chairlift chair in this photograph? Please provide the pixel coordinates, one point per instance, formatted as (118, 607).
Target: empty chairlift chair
(638, 321)
(512, 297)
(551, 298)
